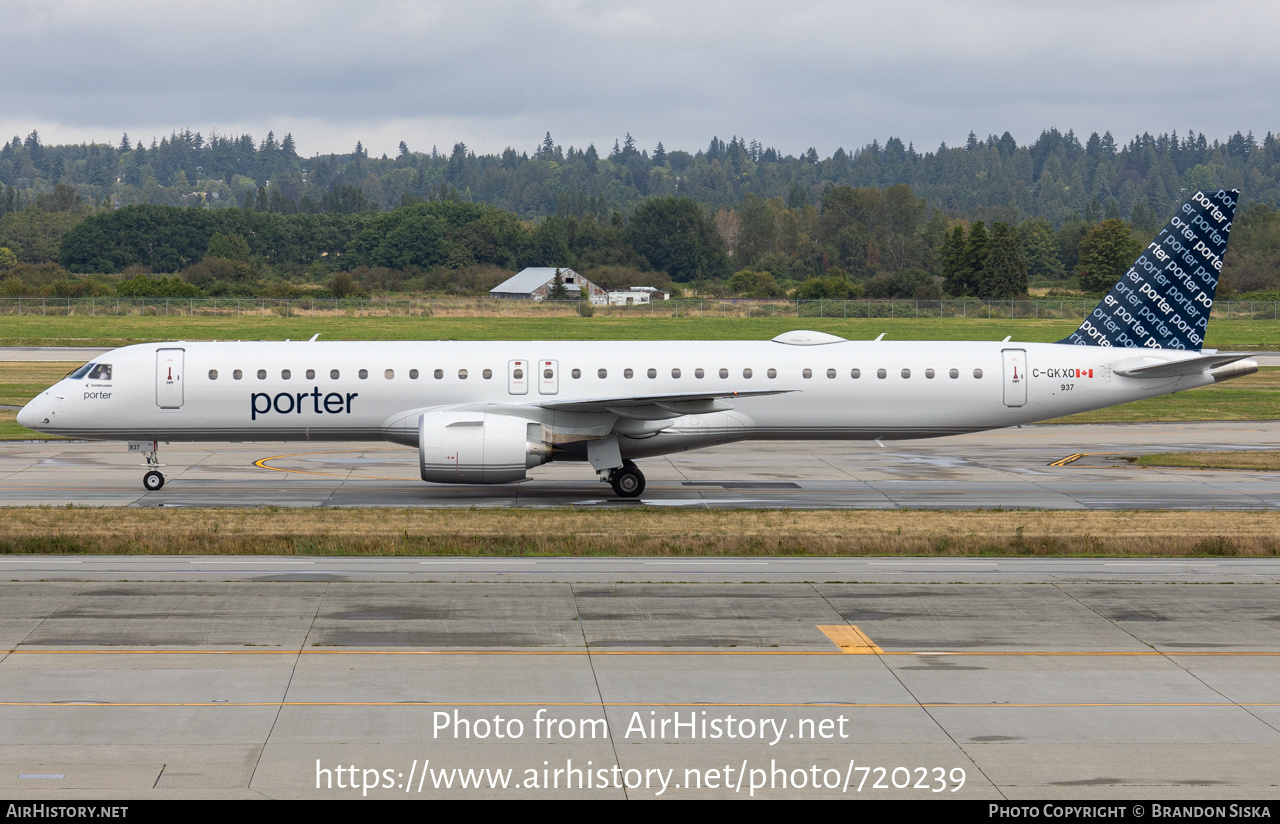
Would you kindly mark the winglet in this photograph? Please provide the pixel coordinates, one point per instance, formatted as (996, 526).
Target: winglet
(1163, 301)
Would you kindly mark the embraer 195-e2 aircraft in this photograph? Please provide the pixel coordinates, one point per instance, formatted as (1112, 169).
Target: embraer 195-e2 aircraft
(484, 413)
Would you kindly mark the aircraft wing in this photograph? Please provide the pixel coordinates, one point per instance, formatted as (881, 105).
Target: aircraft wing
(658, 407)
(1152, 366)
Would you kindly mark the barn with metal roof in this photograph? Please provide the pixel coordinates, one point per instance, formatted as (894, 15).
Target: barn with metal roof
(535, 282)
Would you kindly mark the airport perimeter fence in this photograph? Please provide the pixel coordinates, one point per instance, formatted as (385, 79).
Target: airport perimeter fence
(1043, 308)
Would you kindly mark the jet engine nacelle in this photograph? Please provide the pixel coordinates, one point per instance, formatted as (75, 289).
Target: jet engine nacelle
(478, 447)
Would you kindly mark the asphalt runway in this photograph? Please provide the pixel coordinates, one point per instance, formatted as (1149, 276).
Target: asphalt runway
(1010, 468)
(1023, 678)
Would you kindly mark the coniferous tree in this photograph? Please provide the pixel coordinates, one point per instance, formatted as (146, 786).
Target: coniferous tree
(1040, 249)
(952, 260)
(1004, 272)
(558, 290)
(975, 258)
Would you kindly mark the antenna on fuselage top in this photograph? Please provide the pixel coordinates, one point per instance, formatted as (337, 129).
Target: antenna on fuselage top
(879, 337)
(313, 337)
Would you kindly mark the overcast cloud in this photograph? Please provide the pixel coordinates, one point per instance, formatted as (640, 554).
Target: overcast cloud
(494, 74)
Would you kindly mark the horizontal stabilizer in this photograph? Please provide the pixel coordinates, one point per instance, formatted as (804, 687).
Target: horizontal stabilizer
(1153, 366)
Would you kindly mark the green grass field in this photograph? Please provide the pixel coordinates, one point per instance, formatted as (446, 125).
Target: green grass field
(80, 330)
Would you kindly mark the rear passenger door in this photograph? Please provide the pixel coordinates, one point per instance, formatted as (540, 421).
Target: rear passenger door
(169, 363)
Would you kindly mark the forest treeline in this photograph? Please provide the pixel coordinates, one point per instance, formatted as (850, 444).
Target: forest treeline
(229, 216)
(995, 180)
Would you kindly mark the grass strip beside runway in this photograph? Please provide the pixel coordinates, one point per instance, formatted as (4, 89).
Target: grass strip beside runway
(107, 331)
(635, 532)
(1259, 460)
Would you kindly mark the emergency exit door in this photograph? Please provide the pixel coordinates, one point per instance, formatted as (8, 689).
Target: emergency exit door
(548, 377)
(169, 378)
(1015, 377)
(518, 377)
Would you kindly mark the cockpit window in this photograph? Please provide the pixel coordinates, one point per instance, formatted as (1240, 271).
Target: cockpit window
(81, 372)
(100, 372)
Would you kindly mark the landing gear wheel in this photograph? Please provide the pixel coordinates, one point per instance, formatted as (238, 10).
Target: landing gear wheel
(627, 481)
(153, 480)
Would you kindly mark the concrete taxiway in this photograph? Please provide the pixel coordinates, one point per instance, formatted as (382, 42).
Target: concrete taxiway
(1009, 468)
(259, 677)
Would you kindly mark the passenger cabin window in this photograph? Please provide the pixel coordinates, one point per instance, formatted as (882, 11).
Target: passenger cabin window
(439, 373)
(954, 373)
(262, 374)
(675, 373)
(333, 374)
(462, 374)
(213, 374)
(806, 374)
(389, 374)
(285, 374)
(311, 374)
(413, 374)
(602, 373)
(487, 374)
(237, 374)
(881, 374)
(577, 373)
(628, 373)
(906, 373)
(831, 373)
(364, 374)
(977, 373)
(746, 373)
(698, 373)
(653, 373)
(773, 373)
(855, 373)
(724, 373)
(928, 373)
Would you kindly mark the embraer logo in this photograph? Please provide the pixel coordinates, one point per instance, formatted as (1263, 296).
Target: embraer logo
(260, 403)
(1062, 373)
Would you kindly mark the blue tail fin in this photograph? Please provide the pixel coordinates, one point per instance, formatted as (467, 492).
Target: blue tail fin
(1163, 301)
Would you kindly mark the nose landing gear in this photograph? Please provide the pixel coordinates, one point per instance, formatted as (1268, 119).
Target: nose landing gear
(154, 479)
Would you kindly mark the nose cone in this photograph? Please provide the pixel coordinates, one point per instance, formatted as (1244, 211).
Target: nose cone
(28, 416)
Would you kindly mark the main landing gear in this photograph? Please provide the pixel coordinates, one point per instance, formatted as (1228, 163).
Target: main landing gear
(627, 480)
(154, 479)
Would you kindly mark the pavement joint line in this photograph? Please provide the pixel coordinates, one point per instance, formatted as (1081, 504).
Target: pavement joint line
(595, 651)
(803, 705)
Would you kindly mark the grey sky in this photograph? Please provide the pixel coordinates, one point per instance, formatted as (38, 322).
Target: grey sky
(494, 74)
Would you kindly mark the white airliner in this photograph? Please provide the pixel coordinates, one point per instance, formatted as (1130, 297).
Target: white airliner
(484, 413)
